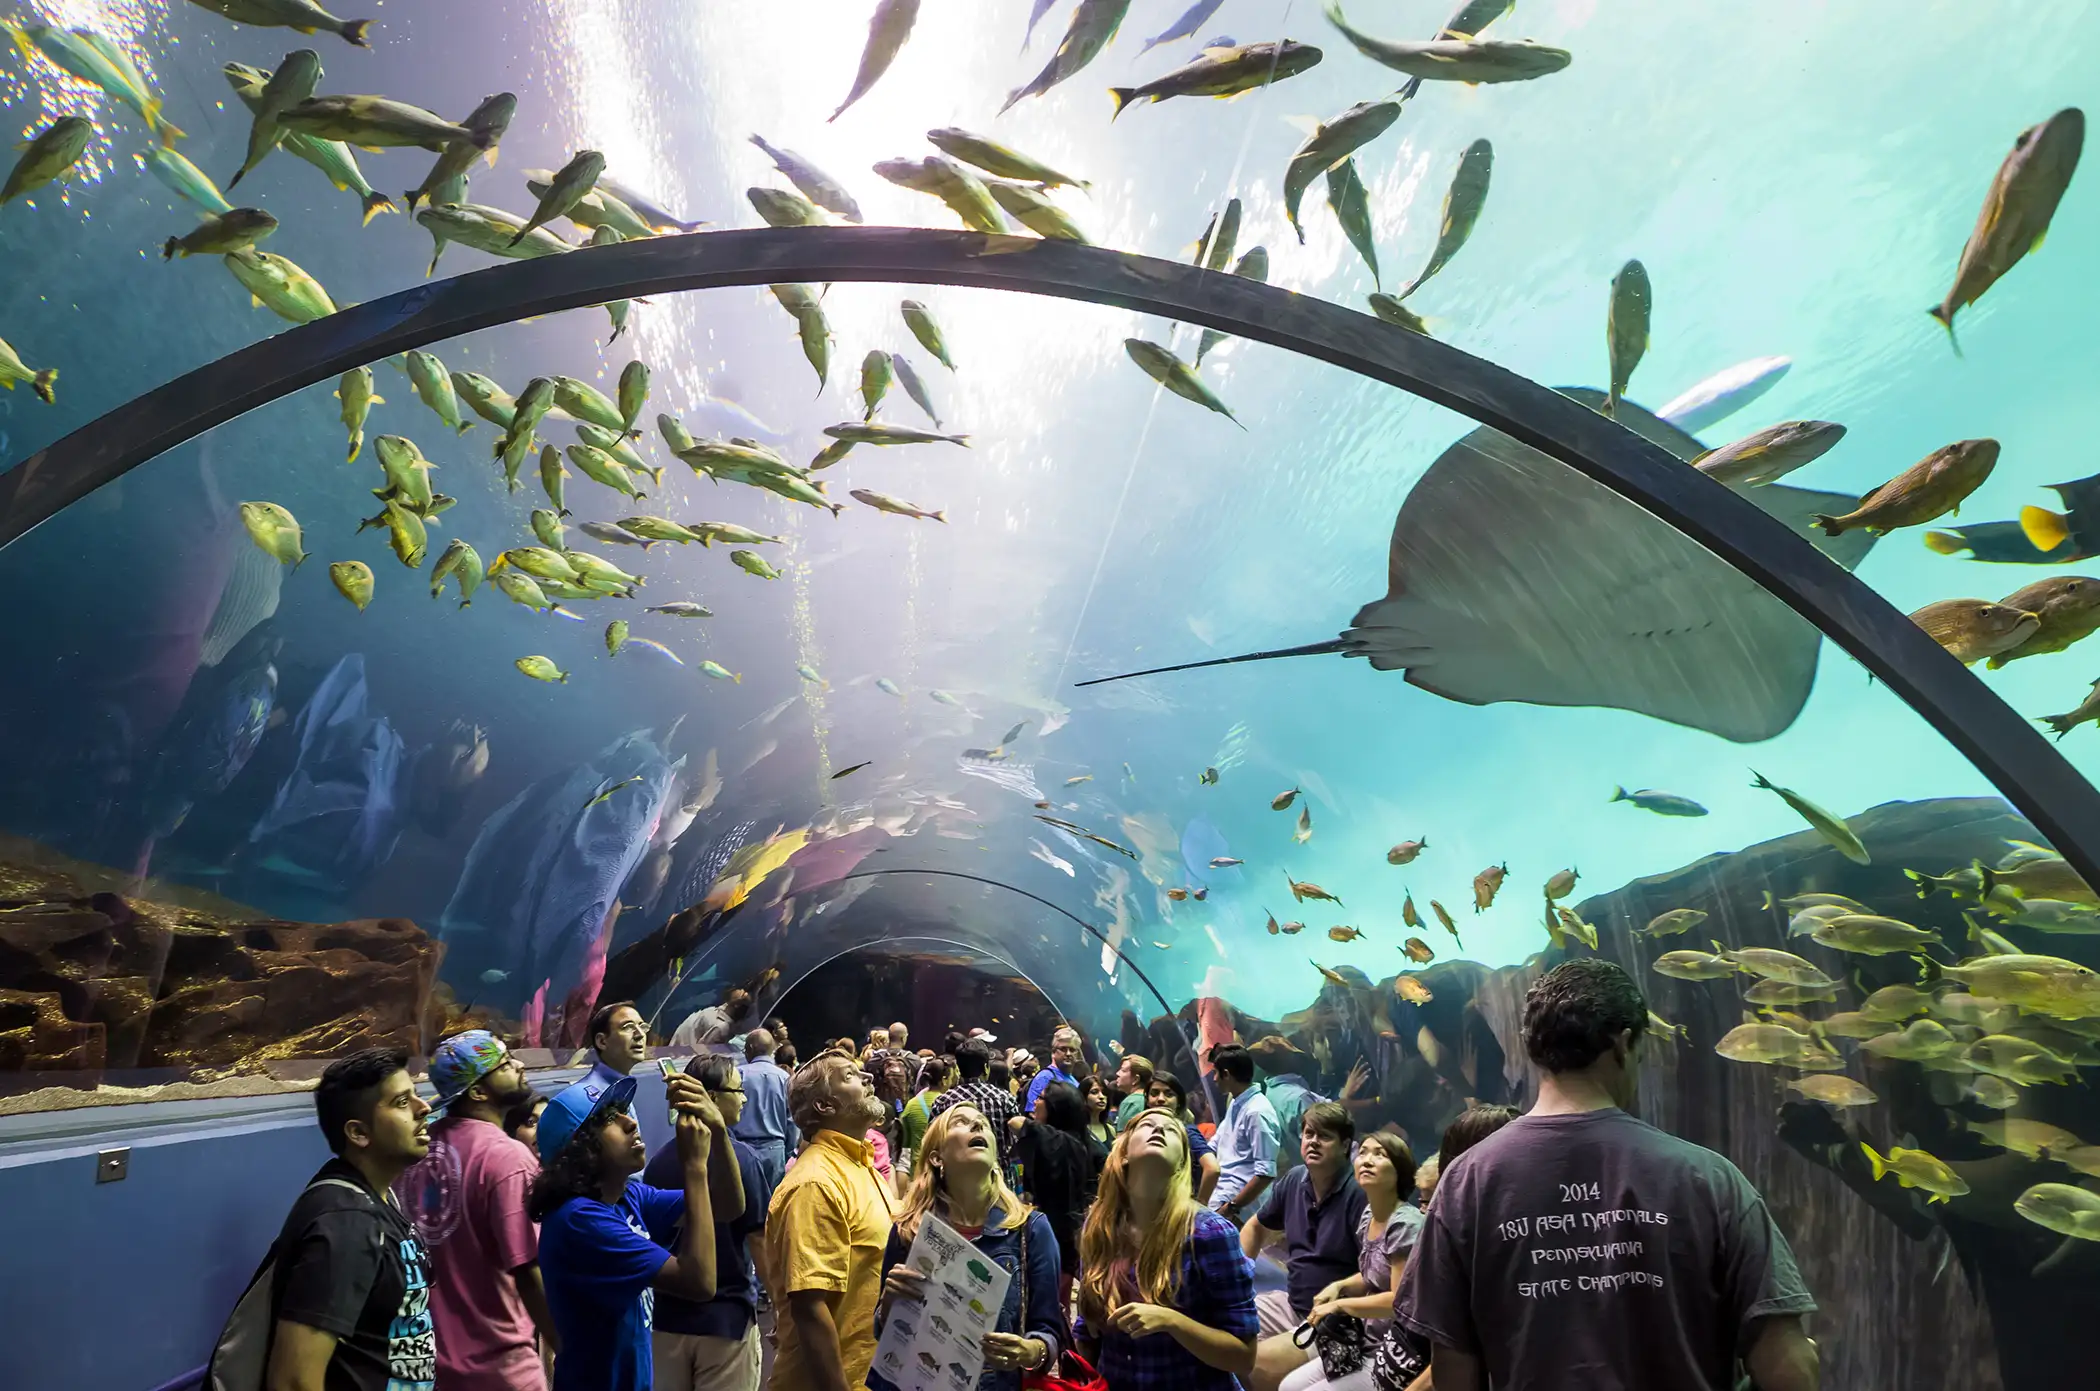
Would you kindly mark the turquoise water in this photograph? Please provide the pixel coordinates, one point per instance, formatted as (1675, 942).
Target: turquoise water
(1797, 178)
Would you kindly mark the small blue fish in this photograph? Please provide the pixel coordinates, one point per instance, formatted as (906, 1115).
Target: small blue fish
(492, 976)
(1661, 803)
(883, 683)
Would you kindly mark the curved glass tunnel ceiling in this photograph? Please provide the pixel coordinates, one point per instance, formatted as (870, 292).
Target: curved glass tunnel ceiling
(222, 742)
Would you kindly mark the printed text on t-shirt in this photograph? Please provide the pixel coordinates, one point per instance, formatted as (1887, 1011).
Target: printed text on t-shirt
(1616, 1252)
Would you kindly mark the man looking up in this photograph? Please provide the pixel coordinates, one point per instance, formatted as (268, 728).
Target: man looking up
(1064, 1057)
(826, 1233)
(1133, 1076)
(1247, 1137)
(485, 1292)
(620, 1037)
(765, 1124)
(351, 1294)
(1664, 1265)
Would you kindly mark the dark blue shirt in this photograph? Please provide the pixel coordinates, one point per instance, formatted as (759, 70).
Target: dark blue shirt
(1040, 1318)
(735, 1304)
(1319, 1234)
(600, 1265)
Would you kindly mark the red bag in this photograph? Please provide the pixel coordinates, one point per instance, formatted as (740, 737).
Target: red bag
(1052, 1378)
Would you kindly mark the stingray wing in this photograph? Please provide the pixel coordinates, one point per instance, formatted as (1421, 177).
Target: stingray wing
(1513, 577)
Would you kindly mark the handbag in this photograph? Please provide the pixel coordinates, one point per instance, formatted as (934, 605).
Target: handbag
(1396, 1362)
(1051, 1376)
(1339, 1340)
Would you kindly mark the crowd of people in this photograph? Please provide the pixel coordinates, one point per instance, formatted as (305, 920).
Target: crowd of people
(522, 1243)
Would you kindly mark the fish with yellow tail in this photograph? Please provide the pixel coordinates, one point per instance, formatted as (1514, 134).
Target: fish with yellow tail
(1770, 454)
(301, 15)
(47, 155)
(887, 31)
(1175, 375)
(43, 381)
(1001, 160)
(1454, 57)
(896, 507)
(2016, 210)
(1329, 143)
(541, 669)
(1931, 488)
(1223, 71)
(1832, 828)
(1916, 1169)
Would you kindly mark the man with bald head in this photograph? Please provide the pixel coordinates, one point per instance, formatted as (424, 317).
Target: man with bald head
(900, 1037)
(826, 1231)
(766, 1125)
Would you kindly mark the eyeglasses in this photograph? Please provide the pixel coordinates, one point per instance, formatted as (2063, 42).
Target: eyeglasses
(727, 1091)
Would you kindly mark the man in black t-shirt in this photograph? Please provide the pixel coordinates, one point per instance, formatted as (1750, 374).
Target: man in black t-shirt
(1579, 1249)
(351, 1295)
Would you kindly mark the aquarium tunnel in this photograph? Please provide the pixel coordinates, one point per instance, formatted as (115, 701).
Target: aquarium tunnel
(632, 501)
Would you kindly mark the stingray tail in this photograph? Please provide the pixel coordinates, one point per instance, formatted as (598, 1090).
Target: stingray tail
(1308, 650)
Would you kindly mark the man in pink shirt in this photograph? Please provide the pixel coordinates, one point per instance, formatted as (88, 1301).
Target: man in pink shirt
(468, 1198)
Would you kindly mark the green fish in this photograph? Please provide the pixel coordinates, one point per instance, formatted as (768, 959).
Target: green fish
(433, 385)
(353, 580)
(598, 208)
(1352, 208)
(302, 15)
(541, 669)
(711, 532)
(521, 589)
(751, 563)
(887, 31)
(876, 432)
(221, 234)
(634, 394)
(546, 525)
(462, 564)
(1831, 828)
(335, 160)
(908, 378)
(875, 378)
(99, 63)
(1626, 328)
(617, 309)
(275, 531)
(963, 192)
(184, 179)
(617, 445)
(407, 472)
(1002, 160)
(677, 438)
(1221, 236)
(813, 327)
(816, 185)
(486, 399)
(831, 454)
(1223, 72)
(292, 83)
(596, 571)
(1330, 143)
(528, 410)
(681, 609)
(542, 563)
(515, 451)
(46, 155)
(448, 173)
(406, 534)
(552, 476)
(809, 673)
(1445, 59)
(720, 672)
(1175, 375)
(777, 207)
(1462, 204)
(1035, 212)
(1093, 24)
(601, 467)
(615, 638)
(280, 286)
(587, 402)
(569, 184)
(658, 529)
(923, 327)
(1252, 266)
(373, 123)
(355, 391)
(486, 229)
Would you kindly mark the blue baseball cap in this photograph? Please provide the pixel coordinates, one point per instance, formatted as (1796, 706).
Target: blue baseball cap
(576, 1106)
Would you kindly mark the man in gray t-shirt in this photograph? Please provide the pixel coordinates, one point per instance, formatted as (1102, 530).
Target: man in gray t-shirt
(1582, 1248)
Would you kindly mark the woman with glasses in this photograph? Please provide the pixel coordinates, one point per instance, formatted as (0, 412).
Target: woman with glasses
(714, 1343)
(960, 1183)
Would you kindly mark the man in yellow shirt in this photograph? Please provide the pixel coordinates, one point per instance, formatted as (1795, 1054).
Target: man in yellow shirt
(826, 1230)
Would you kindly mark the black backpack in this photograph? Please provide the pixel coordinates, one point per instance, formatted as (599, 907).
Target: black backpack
(241, 1355)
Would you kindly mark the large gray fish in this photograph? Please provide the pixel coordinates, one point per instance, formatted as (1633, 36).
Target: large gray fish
(1515, 578)
(816, 185)
(1713, 400)
(887, 32)
(292, 83)
(1462, 204)
(1928, 489)
(492, 118)
(1223, 72)
(908, 378)
(1093, 24)
(652, 214)
(1455, 60)
(50, 153)
(1330, 143)
(373, 123)
(2016, 211)
(569, 185)
(1771, 453)
(1626, 328)
(994, 158)
(302, 15)
(1352, 208)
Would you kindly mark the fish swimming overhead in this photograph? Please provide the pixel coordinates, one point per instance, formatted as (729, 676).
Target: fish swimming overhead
(1727, 391)
(1513, 577)
(2016, 211)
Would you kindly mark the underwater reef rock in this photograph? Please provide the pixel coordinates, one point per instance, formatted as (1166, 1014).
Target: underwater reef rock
(94, 980)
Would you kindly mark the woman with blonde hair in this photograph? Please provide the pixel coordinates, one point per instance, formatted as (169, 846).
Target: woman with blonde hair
(1166, 1298)
(958, 1181)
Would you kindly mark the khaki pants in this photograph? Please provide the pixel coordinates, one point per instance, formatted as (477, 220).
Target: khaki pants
(1275, 1311)
(694, 1362)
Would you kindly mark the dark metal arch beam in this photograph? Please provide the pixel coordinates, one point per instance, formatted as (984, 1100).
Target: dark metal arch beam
(2006, 749)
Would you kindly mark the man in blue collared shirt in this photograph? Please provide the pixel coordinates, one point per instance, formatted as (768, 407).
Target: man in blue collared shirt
(620, 1037)
(1247, 1137)
(713, 1345)
(1064, 1056)
(766, 1125)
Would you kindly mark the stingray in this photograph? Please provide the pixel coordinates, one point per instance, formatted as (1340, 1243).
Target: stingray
(1515, 578)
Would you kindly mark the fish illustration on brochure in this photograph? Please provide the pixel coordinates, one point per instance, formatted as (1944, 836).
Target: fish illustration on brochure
(939, 1345)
